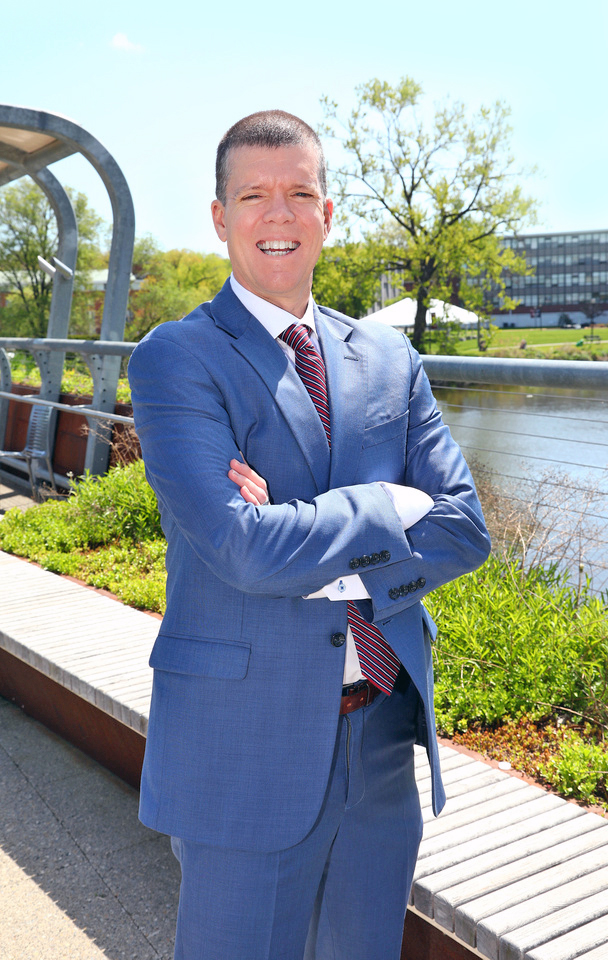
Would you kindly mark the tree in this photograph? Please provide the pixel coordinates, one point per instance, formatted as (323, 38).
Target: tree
(346, 278)
(174, 284)
(28, 229)
(592, 309)
(438, 199)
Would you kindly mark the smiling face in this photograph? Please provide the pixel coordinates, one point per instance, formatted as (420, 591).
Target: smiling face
(275, 221)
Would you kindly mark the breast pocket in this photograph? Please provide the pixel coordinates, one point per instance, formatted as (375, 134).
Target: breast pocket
(383, 453)
(201, 657)
(388, 430)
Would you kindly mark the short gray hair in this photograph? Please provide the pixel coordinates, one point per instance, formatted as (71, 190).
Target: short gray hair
(268, 128)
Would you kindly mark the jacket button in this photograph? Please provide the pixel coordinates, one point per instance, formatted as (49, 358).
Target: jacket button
(365, 560)
(385, 556)
(421, 583)
(394, 593)
(375, 558)
(404, 590)
(412, 586)
(354, 563)
(338, 639)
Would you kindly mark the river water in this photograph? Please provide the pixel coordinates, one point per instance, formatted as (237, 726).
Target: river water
(538, 442)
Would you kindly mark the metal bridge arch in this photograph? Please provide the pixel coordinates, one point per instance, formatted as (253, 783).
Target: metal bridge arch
(30, 140)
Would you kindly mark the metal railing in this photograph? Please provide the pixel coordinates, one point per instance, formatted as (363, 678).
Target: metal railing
(92, 352)
(517, 436)
(536, 431)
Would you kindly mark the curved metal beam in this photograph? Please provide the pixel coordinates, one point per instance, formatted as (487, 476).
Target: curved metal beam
(72, 138)
(61, 300)
(51, 364)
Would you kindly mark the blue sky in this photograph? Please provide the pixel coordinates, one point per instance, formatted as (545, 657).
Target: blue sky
(159, 84)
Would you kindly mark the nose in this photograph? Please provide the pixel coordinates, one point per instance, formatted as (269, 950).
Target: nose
(278, 209)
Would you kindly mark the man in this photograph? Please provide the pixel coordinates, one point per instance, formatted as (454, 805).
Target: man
(311, 496)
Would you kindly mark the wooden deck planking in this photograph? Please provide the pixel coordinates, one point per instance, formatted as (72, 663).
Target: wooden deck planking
(518, 944)
(459, 774)
(482, 788)
(599, 953)
(85, 641)
(496, 838)
(473, 916)
(571, 895)
(591, 937)
(494, 802)
(440, 894)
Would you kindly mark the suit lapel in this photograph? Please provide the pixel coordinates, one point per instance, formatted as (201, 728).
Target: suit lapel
(259, 349)
(347, 376)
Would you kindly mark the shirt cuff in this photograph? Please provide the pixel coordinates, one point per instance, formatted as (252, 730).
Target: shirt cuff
(411, 504)
(344, 588)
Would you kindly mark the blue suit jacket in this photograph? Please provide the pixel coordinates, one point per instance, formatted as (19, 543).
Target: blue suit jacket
(247, 682)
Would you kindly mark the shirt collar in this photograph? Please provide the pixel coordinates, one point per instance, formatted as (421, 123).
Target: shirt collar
(273, 318)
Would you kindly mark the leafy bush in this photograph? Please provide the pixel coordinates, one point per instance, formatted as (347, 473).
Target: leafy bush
(106, 533)
(119, 505)
(514, 643)
(579, 768)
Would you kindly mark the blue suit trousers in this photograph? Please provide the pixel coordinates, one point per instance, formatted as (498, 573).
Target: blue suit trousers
(339, 894)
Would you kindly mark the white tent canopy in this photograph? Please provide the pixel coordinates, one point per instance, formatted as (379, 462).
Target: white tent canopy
(403, 313)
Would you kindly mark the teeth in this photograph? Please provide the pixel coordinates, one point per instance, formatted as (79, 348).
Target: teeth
(277, 247)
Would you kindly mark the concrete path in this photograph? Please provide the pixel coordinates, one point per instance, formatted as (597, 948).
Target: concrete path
(80, 877)
(13, 496)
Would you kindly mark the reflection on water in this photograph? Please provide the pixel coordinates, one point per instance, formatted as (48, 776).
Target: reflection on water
(525, 435)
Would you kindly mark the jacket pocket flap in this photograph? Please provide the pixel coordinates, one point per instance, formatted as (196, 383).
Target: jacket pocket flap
(200, 657)
(385, 431)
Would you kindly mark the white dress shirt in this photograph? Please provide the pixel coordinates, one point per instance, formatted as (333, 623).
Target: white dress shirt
(411, 504)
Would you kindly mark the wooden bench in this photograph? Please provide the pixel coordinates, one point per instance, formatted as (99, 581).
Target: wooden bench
(507, 872)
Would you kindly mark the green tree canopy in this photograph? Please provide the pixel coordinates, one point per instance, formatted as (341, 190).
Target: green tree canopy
(28, 229)
(174, 283)
(346, 278)
(435, 198)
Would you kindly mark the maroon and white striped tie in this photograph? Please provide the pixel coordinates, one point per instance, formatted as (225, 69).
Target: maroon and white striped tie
(378, 662)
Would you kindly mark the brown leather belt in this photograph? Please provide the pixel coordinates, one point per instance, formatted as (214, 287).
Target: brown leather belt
(358, 695)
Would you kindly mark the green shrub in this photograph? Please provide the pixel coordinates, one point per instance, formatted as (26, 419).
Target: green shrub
(107, 533)
(514, 643)
(579, 768)
(119, 505)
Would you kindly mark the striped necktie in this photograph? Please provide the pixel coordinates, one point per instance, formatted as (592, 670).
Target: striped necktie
(378, 662)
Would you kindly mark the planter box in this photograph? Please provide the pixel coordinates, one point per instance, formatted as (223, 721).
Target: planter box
(71, 433)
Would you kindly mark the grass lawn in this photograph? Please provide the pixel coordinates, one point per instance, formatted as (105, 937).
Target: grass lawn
(555, 339)
(534, 336)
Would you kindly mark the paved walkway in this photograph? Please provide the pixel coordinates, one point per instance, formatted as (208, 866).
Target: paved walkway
(12, 496)
(80, 877)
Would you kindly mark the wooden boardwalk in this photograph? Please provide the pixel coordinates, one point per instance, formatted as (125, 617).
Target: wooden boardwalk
(84, 641)
(507, 872)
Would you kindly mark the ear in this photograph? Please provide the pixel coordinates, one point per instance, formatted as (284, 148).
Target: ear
(218, 213)
(328, 212)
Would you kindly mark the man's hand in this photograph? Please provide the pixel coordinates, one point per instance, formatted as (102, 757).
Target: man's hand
(253, 487)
